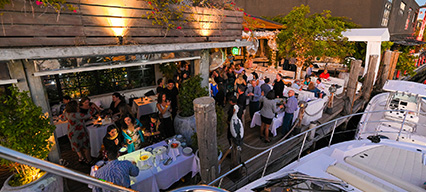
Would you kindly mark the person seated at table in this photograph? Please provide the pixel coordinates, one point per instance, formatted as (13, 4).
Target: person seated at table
(118, 118)
(307, 80)
(325, 74)
(113, 139)
(152, 132)
(86, 106)
(296, 84)
(117, 100)
(77, 132)
(65, 100)
(240, 82)
(160, 87)
(132, 133)
(321, 87)
(267, 114)
(115, 171)
(316, 91)
(164, 111)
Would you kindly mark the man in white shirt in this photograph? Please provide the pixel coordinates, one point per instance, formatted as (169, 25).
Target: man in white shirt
(321, 87)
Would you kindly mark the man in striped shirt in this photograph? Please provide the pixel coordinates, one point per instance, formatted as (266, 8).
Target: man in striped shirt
(117, 172)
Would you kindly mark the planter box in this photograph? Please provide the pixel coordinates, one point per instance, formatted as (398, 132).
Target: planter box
(48, 182)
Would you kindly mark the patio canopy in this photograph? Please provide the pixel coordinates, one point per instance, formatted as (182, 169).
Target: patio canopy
(373, 37)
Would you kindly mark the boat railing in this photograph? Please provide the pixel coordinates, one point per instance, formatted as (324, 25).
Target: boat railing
(304, 135)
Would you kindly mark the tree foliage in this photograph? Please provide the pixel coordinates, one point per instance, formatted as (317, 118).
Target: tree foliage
(190, 90)
(24, 128)
(308, 36)
(406, 61)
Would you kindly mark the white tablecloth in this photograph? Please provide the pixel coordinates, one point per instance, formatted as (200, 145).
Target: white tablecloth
(276, 122)
(162, 176)
(145, 105)
(96, 135)
(61, 128)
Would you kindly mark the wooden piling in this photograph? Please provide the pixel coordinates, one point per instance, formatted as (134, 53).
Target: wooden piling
(352, 85)
(384, 70)
(368, 83)
(394, 60)
(205, 119)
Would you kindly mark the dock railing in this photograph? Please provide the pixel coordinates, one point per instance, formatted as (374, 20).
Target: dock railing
(304, 135)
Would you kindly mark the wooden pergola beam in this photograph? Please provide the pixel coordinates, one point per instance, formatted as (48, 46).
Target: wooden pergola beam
(84, 51)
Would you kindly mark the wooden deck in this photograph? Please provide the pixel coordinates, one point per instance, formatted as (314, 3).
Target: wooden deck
(280, 156)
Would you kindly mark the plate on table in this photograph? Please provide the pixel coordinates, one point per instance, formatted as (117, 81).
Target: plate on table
(174, 145)
(149, 149)
(159, 150)
(123, 149)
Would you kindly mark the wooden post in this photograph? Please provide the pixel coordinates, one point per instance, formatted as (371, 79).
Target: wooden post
(394, 60)
(367, 85)
(205, 119)
(384, 72)
(352, 85)
(205, 67)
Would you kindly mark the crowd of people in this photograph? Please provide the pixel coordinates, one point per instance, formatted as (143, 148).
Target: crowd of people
(230, 86)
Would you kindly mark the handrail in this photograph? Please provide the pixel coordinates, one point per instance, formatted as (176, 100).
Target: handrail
(300, 134)
(22, 158)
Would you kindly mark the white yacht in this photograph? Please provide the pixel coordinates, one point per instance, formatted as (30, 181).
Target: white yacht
(401, 113)
(357, 165)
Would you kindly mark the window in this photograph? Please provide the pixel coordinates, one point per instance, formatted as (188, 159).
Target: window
(386, 13)
(401, 8)
(98, 82)
(408, 18)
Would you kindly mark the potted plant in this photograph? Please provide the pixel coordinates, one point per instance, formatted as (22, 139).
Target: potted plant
(184, 122)
(24, 128)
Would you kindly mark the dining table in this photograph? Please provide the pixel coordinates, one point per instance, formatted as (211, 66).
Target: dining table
(145, 106)
(96, 130)
(159, 176)
(277, 121)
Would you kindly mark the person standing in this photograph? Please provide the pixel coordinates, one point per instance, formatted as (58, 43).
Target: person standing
(290, 108)
(254, 94)
(164, 108)
(230, 111)
(115, 171)
(77, 131)
(160, 88)
(267, 114)
(172, 93)
(266, 87)
(241, 100)
(278, 87)
(309, 70)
